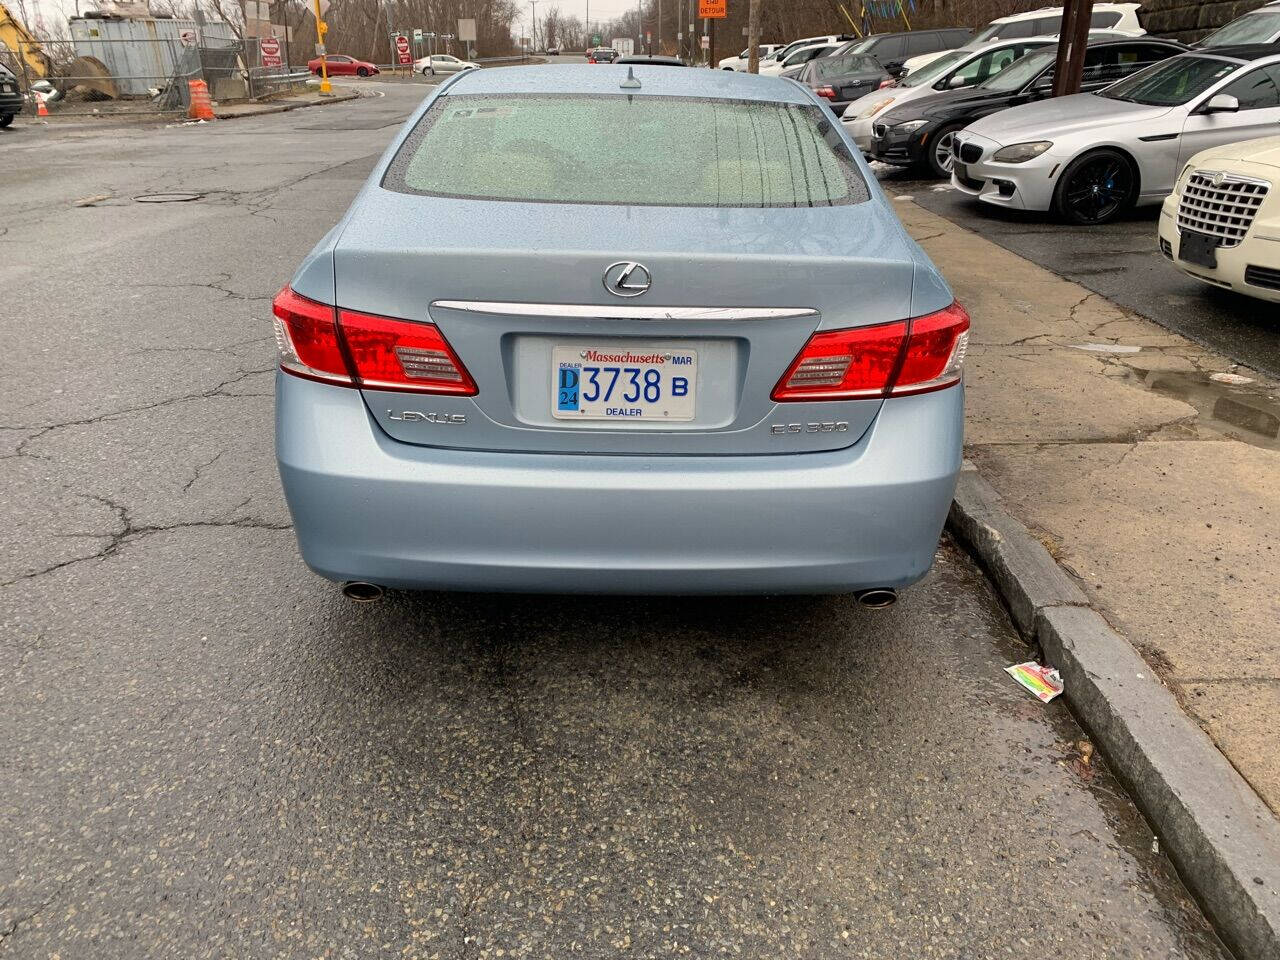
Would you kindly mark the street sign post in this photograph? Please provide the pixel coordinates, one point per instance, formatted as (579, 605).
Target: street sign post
(467, 34)
(269, 47)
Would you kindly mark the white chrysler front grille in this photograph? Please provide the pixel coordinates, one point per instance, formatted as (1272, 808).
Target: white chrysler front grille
(1224, 209)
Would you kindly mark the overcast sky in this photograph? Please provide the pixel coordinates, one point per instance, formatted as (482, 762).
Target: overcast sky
(601, 10)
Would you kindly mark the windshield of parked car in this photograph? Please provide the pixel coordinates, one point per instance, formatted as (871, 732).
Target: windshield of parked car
(803, 55)
(933, 69)
(1020, 72)
(633, 150)
(1171, 82)
(834, 66)
(1255, 28)
(790, 48)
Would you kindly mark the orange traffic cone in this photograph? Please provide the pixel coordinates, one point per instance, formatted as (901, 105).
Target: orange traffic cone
(201, 107)
(41, 109)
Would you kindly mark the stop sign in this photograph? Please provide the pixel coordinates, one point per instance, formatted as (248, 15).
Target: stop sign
(402, 49)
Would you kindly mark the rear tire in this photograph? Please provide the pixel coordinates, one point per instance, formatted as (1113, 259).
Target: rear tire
(1096, 188)
(937, 152)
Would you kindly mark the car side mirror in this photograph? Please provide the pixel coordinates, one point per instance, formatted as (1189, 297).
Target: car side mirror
(894, 68)
(1221, 103)
(955, 83)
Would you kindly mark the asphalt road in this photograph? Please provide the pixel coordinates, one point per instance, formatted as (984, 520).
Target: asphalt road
(210, 753)
(1121, 261)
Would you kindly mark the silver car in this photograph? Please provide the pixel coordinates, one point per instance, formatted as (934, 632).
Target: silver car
(1092, 156)
(623, 330)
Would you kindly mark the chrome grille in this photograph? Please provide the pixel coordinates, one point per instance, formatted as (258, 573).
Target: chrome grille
(1225, 210)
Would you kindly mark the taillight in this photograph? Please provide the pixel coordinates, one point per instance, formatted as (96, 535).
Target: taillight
(886, 82)
(935, 352)
(358, 349)
(402, 355)
(307, 337)
(889, 359)
(828, 92)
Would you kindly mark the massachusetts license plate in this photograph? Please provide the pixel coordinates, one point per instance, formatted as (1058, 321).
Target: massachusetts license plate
(1199, 248)
(632, 383)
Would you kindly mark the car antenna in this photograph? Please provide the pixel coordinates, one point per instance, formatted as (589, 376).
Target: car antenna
(631, 83)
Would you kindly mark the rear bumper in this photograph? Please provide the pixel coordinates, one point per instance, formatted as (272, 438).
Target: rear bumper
(366, 507)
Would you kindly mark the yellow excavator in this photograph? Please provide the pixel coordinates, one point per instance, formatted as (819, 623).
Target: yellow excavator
(22, 46)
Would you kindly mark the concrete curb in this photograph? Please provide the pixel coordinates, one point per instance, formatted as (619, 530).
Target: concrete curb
(286, 107)
(1221, 837)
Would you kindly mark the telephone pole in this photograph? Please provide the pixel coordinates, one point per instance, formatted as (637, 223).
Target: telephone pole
(753, 37)
(1074, 36)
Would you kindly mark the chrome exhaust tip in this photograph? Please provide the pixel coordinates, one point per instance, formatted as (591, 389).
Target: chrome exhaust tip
(361, 592)
(877, 598)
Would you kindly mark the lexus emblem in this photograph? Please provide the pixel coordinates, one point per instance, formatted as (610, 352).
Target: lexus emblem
(626, 278)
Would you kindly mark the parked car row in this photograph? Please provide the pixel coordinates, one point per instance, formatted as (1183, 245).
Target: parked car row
(1156, 122)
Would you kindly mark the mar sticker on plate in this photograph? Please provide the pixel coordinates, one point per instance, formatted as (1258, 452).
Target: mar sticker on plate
(633, 383)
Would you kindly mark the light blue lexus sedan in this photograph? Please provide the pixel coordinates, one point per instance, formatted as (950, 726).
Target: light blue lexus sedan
(620, 330)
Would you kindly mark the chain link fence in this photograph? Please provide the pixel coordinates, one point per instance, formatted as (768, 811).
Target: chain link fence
(90, 72)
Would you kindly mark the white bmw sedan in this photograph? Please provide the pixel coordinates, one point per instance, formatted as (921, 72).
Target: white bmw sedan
(1092, 156)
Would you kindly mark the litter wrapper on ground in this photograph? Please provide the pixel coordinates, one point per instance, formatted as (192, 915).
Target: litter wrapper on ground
(1043, 681)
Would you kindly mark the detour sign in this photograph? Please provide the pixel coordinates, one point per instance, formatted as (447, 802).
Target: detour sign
(713, 9)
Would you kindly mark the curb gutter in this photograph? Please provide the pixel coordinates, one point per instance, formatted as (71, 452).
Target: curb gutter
(286, 107)
(1221, 837)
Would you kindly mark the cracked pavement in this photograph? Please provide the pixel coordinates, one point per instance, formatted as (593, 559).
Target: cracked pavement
(1150, 480)
(210, 753)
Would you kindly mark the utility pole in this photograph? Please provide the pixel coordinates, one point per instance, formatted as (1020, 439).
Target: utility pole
(658, 28)
(533, 5)
(753, 37)
(1073, 38)
(679, 28)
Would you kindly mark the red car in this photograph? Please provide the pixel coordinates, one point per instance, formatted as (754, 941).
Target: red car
(339, 66)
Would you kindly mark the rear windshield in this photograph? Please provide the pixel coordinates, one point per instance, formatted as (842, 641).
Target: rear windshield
(627, 150)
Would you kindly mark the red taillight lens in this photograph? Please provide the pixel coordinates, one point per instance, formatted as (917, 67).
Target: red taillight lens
(935, 352)
(828, 92)
(843, 364)
(387, 354)
(307, 337)
(403, 355)
(886, 82)
(890, 359)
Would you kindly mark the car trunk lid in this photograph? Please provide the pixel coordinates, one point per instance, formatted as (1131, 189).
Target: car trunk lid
(516, 287)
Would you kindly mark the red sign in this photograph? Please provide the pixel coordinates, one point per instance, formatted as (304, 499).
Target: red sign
(270, 49)
(713, 9)
(402, 49)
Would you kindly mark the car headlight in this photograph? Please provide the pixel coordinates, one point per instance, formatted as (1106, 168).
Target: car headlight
(875, 108)
(910, 126)
(1022, 152)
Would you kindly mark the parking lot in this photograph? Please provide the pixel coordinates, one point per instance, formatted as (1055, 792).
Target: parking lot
(212, 753)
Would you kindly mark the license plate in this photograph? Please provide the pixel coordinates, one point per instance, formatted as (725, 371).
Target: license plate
(1198, 248)
(623, 383)
(7, 88)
